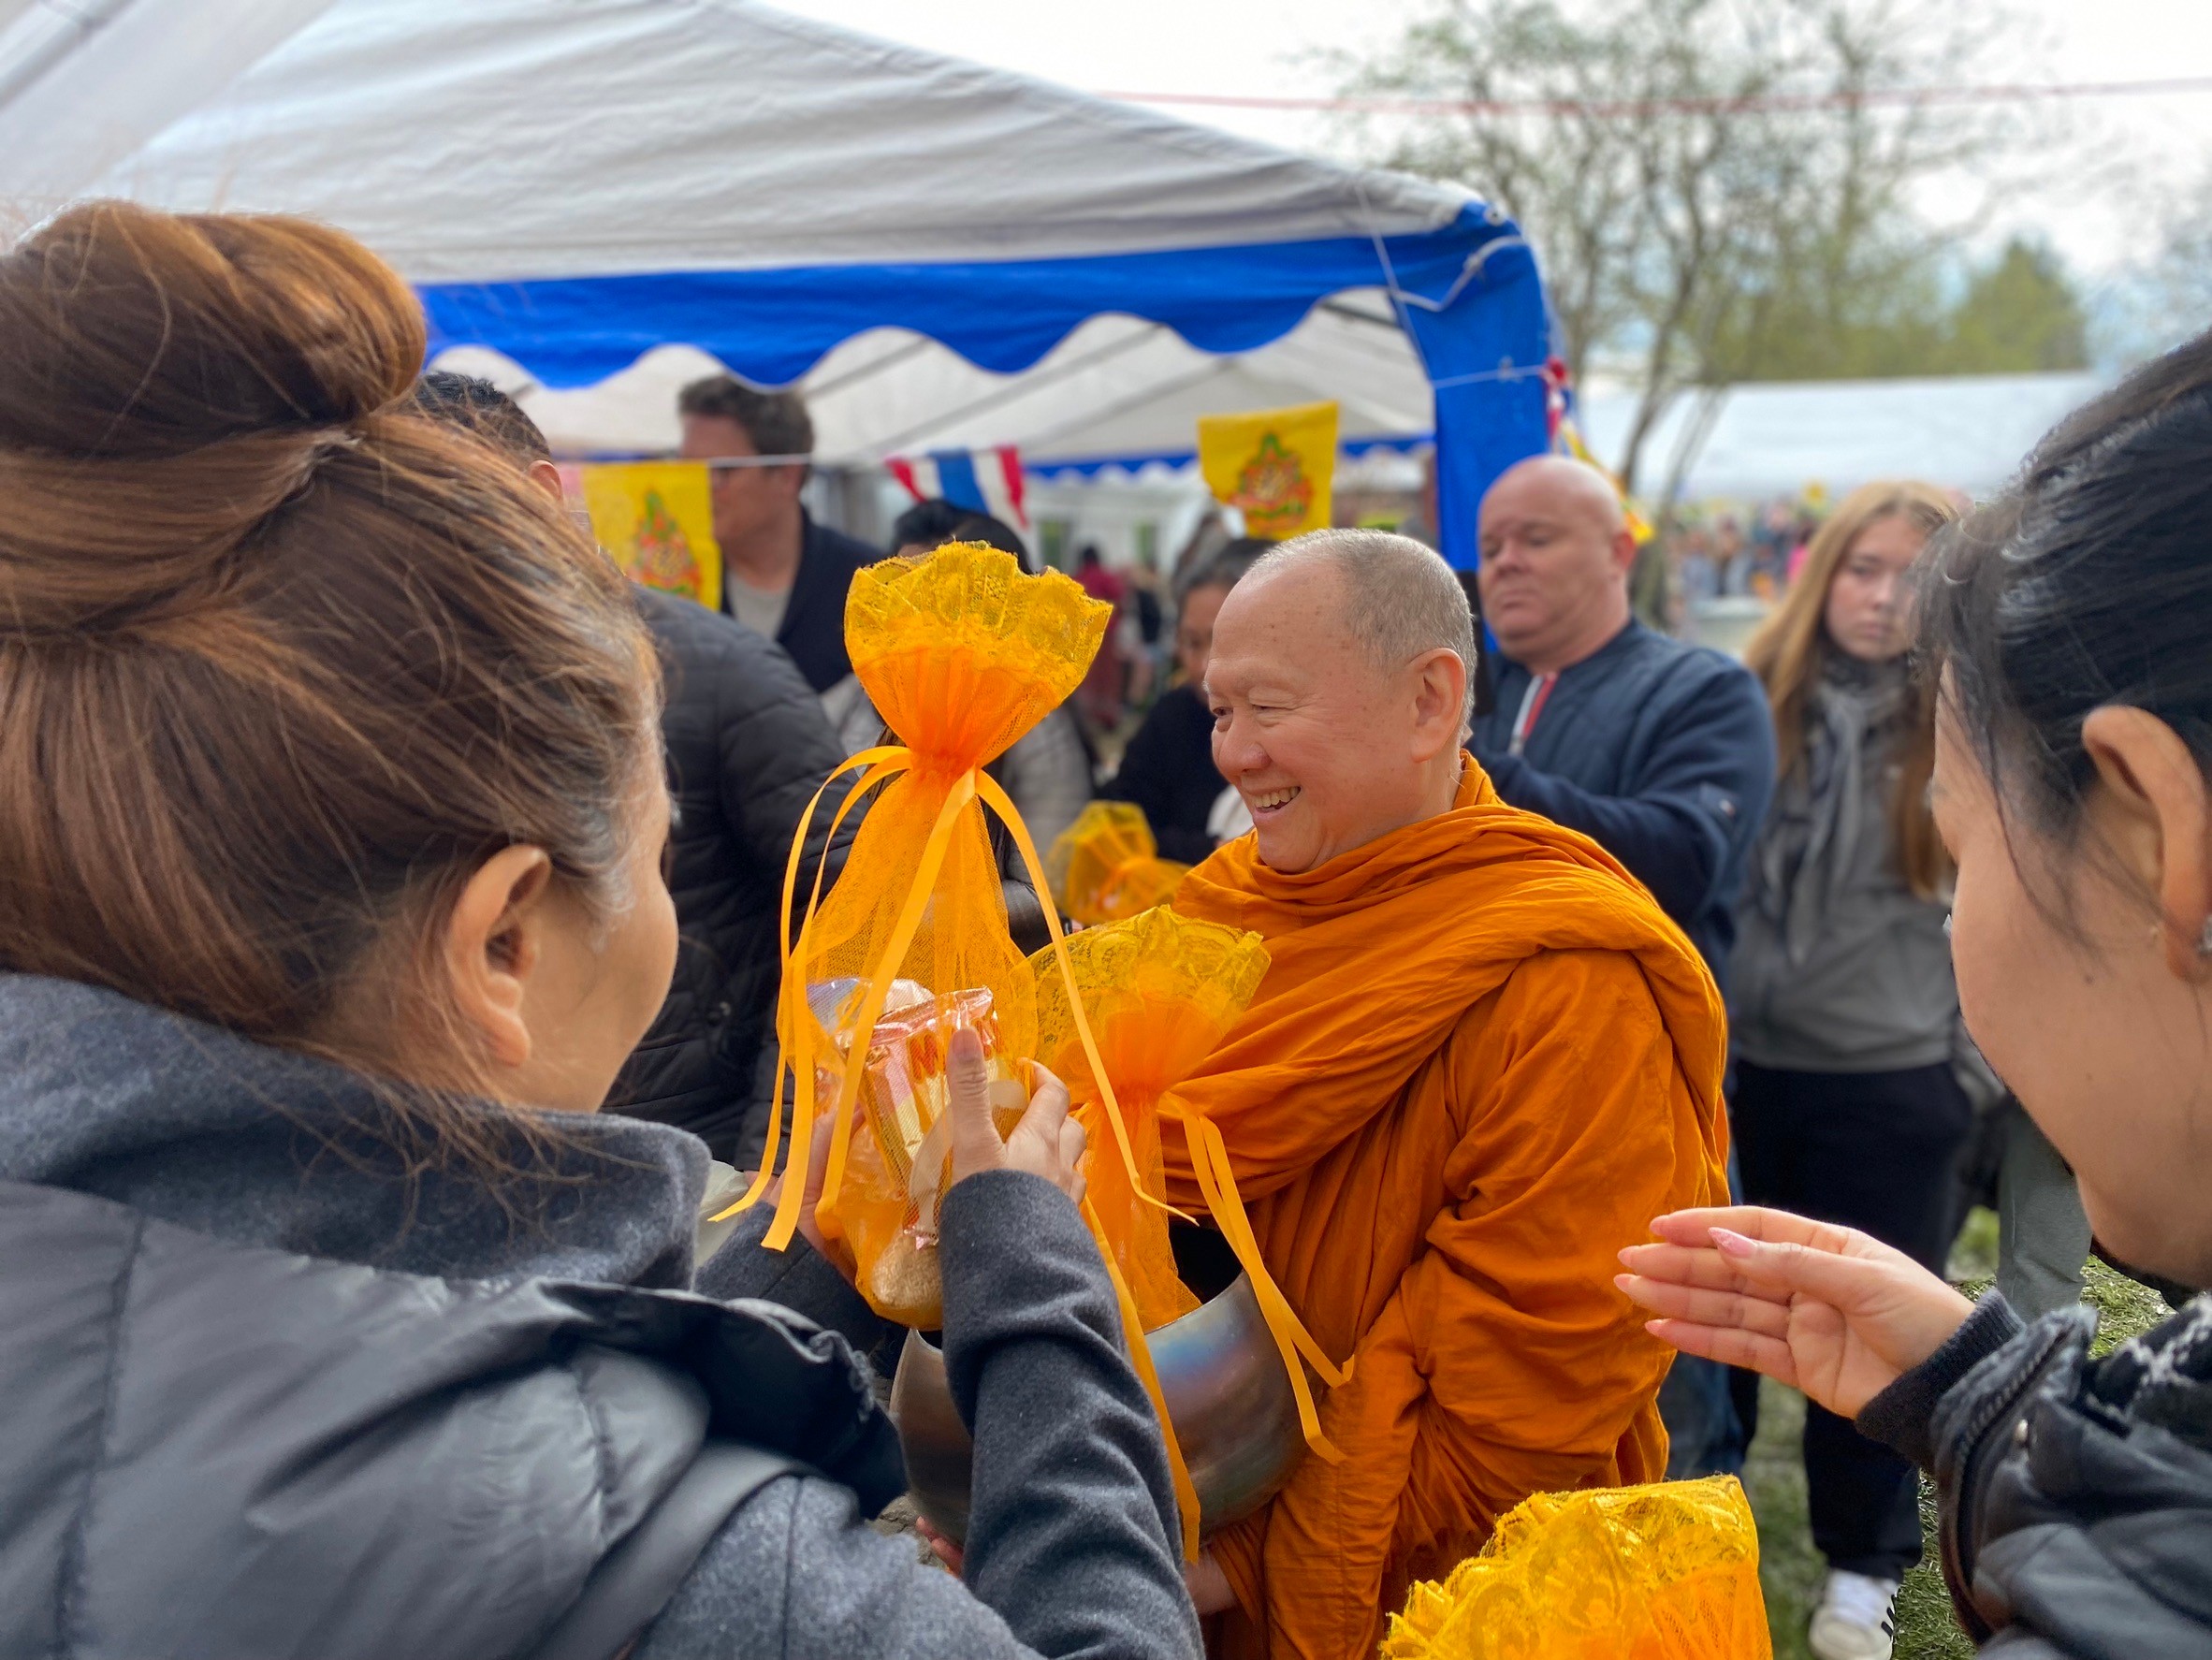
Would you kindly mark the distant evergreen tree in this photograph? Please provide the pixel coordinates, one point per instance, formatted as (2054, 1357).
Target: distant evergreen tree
(2019, 314)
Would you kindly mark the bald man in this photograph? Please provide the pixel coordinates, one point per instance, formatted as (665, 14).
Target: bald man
(1660, 751)
(1480, 1062)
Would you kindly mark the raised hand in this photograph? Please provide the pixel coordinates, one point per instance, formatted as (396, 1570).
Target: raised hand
(1826, 1309)
(1046, 1142)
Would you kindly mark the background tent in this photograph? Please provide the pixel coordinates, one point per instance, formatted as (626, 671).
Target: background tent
(945, 254)
(1965, 433)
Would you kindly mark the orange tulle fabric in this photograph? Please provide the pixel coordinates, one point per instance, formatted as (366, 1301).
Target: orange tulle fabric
(962, 652)
(1106, 867)
(1664, 1571)
(1160, 990)
(1481, 1061)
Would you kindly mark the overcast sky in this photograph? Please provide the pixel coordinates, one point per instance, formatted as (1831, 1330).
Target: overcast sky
(1253, 47)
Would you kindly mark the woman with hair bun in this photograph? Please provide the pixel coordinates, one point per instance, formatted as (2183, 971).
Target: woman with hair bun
(332, 821)
(2067, 624)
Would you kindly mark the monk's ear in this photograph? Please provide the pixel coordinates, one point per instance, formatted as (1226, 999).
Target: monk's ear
(1439, 681)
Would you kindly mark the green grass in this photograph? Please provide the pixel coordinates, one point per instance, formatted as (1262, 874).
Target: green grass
(1774, 1478)
(1790, 1569)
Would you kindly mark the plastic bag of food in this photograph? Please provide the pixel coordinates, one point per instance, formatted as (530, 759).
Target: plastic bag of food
(1160, 989)
(898, 1163)
(1668, 1571)
(1106, 866)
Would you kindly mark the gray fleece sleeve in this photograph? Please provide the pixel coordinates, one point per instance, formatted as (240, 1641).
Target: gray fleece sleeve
(1072, 1531)
(1070, 1552)
(801, 1281)
(796, 1575)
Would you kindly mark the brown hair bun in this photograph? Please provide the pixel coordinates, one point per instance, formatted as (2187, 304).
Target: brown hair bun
(258, 324)
(282, 661)
(162, 422)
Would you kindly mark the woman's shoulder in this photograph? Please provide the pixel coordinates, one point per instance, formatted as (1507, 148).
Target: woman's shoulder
(381, 1410)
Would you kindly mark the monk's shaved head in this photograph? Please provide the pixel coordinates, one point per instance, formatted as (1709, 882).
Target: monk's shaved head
(1338, 687)
(1399, 598)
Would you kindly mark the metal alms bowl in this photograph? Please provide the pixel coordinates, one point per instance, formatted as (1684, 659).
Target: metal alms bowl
(1226, 1392)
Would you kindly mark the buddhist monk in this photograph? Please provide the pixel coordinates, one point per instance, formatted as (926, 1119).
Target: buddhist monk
(1482, 1060)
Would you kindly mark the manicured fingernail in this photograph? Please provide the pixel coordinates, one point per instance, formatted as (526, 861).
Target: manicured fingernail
(1732, 1244)
(1621, 1255)
(1625, 1280)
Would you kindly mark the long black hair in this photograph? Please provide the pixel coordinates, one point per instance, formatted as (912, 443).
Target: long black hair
(2089, 582)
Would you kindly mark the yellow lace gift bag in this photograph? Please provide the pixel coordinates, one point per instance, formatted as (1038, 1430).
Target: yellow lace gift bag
(1160, 990)
(1106, 866)
(1666, 1571)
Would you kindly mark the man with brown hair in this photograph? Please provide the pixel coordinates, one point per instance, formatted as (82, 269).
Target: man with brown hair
(783, 575)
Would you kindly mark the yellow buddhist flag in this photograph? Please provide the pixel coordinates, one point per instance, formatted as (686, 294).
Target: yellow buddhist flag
(655, 518)
(1275, 466)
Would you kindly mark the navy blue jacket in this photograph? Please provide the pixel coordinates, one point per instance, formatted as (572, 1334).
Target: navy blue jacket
(813, 631)
(1662, 754)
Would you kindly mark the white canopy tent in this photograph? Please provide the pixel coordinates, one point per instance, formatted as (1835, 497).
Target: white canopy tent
(1967, 432)
(1117, 389)
(612, 194)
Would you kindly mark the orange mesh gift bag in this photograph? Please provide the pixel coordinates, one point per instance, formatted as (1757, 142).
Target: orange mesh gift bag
(898, 1161)
(1106, 867)
(961, 653)
(1160, 990)
(1668, 1571)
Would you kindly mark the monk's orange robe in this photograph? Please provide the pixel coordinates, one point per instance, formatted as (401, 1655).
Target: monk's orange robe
(1482, 1060)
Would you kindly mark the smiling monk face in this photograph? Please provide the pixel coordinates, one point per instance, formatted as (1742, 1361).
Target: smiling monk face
(1338, 685)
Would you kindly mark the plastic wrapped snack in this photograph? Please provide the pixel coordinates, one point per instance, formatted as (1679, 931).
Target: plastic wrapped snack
(1668, 1571)
(1160, 990)
(1106, 867)
(897, 1161)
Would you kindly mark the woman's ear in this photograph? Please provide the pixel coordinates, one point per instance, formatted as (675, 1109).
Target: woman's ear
(2159, 820)
(493, 943)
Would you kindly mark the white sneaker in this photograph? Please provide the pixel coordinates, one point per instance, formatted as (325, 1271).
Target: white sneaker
(1853, 1619)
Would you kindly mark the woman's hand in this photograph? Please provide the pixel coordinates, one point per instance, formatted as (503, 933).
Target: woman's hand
(1046, 1142)
(834, 1252)
(1823, 1308)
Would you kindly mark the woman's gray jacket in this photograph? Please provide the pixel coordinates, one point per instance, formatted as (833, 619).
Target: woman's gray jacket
(2076, 1493)
(282, 1379)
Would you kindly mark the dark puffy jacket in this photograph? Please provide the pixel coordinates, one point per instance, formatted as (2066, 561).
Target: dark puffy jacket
(276, 1390)
(2076, 1493)
(224, 1451)
(748, 747)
